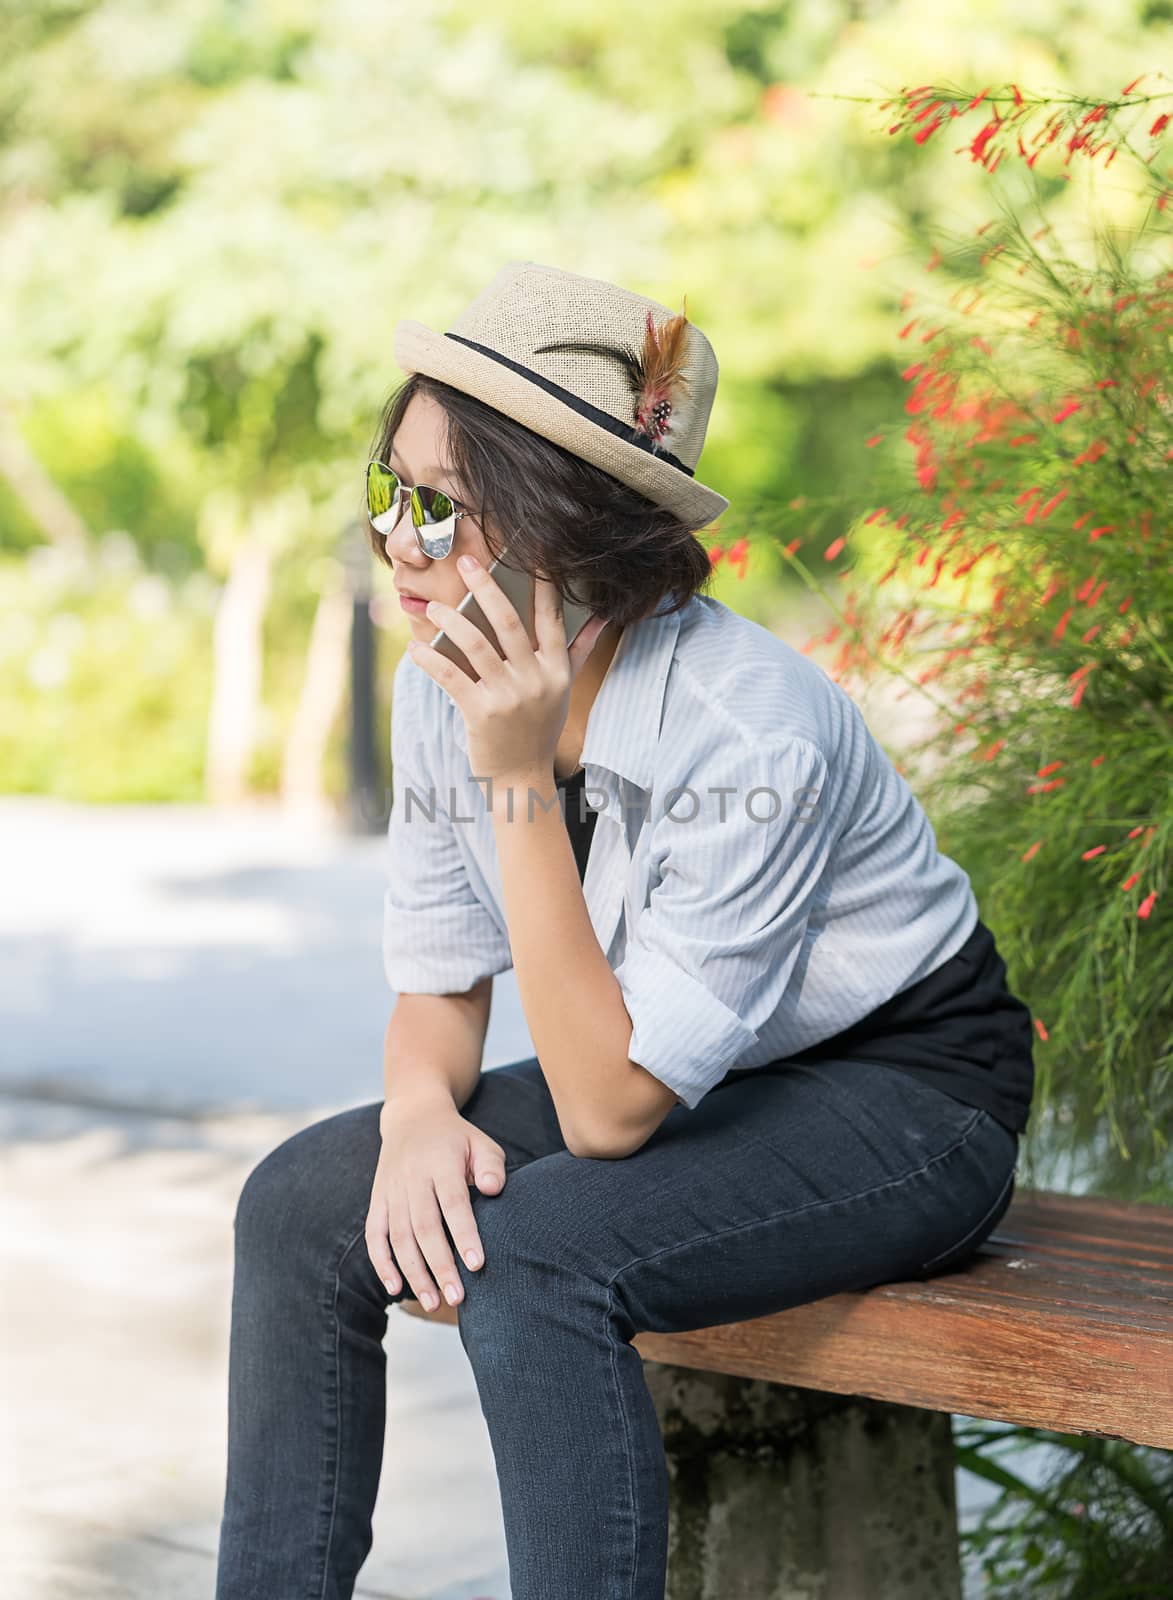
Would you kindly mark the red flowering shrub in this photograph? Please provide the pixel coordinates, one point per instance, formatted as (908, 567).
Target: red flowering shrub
(1018, 575)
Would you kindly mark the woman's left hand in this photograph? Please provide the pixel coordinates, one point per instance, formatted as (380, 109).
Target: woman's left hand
(515, 710)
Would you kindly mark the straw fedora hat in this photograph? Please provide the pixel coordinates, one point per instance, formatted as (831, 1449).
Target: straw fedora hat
(609, 375)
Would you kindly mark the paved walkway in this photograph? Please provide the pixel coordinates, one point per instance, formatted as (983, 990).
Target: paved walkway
(181, 990)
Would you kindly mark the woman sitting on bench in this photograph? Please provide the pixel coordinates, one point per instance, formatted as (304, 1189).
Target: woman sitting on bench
(777, 1057)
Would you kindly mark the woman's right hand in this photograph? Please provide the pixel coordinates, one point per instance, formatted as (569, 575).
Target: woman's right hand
(430, 1156)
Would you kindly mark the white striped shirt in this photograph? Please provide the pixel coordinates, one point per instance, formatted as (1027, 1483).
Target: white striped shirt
(741, 927)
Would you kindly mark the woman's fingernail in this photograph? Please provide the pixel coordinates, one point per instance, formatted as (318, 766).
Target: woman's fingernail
(467, 563)
(472, 1258)
(450, 1293)
(429, 1301)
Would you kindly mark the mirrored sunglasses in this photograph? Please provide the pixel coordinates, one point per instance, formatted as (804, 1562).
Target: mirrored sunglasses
(433, 514)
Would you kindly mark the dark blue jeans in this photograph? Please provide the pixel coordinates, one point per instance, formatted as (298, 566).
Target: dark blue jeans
(785, 1183)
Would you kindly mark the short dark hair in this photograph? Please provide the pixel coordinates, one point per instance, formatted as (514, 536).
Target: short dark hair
(601, 543)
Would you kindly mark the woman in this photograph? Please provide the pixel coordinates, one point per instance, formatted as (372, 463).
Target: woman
(776, 1054)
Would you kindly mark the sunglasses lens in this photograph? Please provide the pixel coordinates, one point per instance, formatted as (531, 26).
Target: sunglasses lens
(382, 497)
(434, 516)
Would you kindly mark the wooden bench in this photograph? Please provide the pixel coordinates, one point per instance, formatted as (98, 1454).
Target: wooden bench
(810, 1451)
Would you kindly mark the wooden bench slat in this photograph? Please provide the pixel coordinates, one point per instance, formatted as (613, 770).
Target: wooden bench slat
(1090, 1251)
(1071, 1212)
(1014, 1275)
(1082, 1218)
(1152, 1316)
(1102, 1314)
(1009, 1267)
(1056, 1257)
(997, 1268)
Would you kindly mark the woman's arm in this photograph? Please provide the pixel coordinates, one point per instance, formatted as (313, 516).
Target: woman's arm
(607, 1105)
(434, 1044)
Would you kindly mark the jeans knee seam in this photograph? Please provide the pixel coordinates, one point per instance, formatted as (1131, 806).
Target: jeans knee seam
(629, 1450)
(333, 1312)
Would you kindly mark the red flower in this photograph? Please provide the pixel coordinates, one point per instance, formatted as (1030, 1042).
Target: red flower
(982, 138)
(1055, 500)
(1093, 452)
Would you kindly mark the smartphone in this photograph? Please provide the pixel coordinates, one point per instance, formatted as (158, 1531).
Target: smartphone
(519, 589)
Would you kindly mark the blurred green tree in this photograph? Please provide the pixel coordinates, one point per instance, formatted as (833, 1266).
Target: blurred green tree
(214, 214)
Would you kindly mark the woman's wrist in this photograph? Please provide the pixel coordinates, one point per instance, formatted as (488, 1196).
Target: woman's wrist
(509, 792)
(414, 1097)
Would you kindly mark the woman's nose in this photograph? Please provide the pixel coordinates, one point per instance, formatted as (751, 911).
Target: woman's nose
(401, 540)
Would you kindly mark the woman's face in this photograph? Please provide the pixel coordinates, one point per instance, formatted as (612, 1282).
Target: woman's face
(417, 455)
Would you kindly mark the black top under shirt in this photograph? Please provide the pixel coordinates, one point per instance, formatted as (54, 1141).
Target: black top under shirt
(959, 1027)
(579, 829)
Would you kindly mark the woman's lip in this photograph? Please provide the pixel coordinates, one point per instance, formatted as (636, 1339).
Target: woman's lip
(413, 603)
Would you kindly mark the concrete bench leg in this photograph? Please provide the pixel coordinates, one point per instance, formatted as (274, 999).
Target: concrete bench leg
(790, 1494)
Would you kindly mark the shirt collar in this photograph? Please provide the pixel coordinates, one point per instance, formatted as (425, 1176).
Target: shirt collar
(623, 727)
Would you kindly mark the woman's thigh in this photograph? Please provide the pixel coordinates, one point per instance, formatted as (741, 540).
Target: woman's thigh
(783, 1185)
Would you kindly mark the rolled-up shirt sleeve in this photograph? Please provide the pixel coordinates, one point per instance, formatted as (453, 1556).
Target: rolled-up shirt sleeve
(714, 950)
(438, 937)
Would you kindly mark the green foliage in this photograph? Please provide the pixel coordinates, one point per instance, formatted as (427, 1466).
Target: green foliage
(1098, 1526)
(104, 676)
(114, 480)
